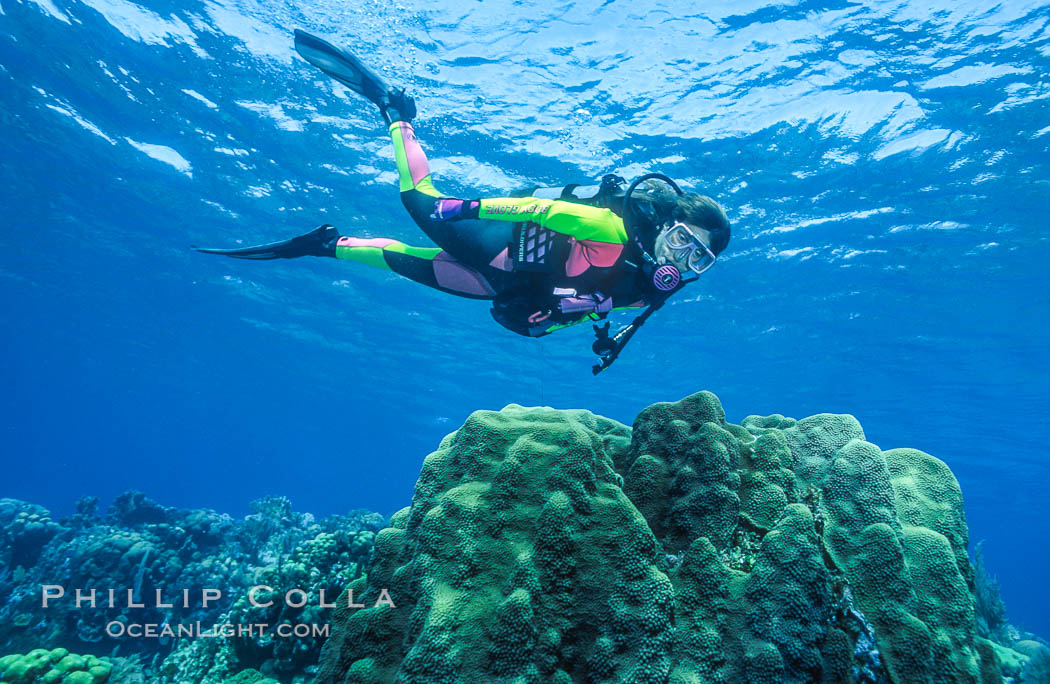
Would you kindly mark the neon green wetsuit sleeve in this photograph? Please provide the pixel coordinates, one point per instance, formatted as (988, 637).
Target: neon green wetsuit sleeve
(580, 221)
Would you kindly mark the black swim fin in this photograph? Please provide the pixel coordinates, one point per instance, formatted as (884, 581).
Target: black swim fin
(394, 105)
(318, 242)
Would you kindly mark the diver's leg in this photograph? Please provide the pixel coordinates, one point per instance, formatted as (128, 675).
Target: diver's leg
(472, 242)
(431, 266)
(477, 243)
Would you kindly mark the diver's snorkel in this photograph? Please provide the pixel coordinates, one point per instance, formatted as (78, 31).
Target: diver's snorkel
(665, 279)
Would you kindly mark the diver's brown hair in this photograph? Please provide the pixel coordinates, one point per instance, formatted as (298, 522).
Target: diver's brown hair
(697, 210)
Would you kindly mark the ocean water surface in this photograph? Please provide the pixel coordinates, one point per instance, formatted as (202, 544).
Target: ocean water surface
(884, 165)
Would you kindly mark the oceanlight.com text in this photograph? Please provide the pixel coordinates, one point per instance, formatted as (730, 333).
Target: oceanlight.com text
(135, 630)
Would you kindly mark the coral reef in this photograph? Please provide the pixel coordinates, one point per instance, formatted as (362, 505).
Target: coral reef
(41, 666)
(559, 546)
(547, 546)
(1037, 669)
(24, 531)
(140, 548)
(1022, 656)
(250, 677)
(991, 611)
(326, 563)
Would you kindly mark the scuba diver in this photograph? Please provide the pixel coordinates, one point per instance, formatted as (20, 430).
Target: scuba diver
(546, 258)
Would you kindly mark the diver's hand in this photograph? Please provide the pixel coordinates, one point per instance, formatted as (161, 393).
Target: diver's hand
(604, 345)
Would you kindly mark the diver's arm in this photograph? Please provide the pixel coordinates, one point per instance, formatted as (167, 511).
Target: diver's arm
(569, 218)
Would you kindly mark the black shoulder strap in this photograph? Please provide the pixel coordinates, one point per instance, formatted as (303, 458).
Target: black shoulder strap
(568, 190)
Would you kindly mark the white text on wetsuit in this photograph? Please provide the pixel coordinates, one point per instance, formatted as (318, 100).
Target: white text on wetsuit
(516, 209)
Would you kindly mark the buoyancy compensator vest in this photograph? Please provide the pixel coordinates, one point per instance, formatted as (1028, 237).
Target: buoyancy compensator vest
(542, 298)
(537, 251)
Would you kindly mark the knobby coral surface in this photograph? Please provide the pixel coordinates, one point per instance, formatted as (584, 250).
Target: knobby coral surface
(559, 546)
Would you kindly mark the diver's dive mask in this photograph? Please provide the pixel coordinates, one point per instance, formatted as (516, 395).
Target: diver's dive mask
(680, 245)
(678, 248)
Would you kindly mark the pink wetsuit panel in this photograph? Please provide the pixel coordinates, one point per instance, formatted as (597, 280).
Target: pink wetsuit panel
(418, 166)
(587, 253)
(453, 275)
(502, 261)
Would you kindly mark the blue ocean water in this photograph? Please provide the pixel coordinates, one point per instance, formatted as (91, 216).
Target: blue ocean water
(884, 163)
